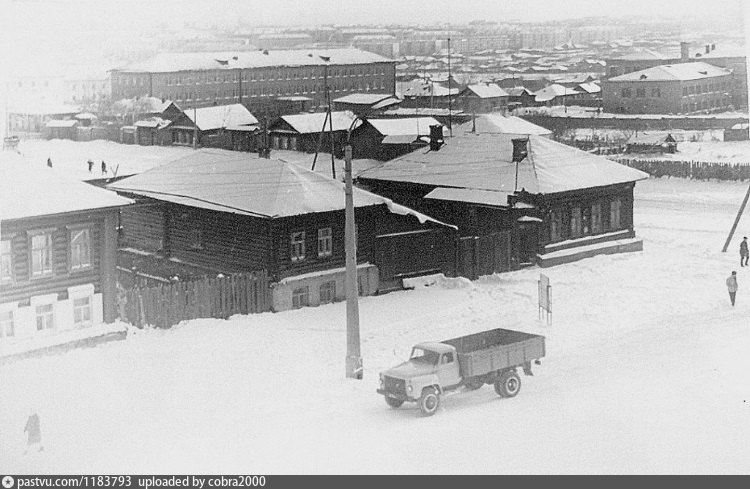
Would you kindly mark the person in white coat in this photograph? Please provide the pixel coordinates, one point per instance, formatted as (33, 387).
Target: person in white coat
(732, 286)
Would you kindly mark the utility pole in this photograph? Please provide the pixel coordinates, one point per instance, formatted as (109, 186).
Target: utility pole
(450, 97)
(195, 127)
(353, 354)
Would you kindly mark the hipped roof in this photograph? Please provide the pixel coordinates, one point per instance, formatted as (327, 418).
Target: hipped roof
(313, 123)
(484, 162)
(247, 185)
(221, 116)
(675, 72)
(32, 190)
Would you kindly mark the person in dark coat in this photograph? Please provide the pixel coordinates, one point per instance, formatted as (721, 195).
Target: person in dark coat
(744, 252)
(49, 162)
(34, 430)
(104, 168)
(732, 286)
(91, 164)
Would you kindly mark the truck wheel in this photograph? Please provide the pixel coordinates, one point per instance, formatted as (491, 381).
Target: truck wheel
(508, 384)
(392, 402)
(429, 402)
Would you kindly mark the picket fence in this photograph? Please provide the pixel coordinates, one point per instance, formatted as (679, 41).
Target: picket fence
(697, 170)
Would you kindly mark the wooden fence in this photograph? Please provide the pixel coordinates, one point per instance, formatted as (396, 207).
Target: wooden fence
(697, 170)
(165, 305)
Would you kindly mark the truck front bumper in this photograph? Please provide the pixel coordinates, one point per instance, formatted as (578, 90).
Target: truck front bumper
(392, 395)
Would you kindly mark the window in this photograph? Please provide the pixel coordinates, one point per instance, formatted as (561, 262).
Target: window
(6, 260)
(82, 311)
(325, 242)
(41, 254)
(298, 246)
(586, 221)
(614, 214)
(556, 225)
(640, 92)
(196, 239)
(80, 249)
(447, 358)
(300, 297)
(596, 218)
(327, 292)
(656, 92)
(7, 327)
(575, 222)
(45, 317)
(626, 93)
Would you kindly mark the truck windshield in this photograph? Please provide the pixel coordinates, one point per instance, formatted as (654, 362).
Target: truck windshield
(424, 356)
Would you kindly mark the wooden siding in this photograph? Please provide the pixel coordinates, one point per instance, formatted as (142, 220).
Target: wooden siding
(142, 226)
(24, 286)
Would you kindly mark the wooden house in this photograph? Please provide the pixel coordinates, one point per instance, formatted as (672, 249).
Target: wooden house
(215, 127)
(229, 213)
(385, 139)
(516, 199)
(312, 132)
(483, 97)
(60, 129)
(365, 103)
(58, 244)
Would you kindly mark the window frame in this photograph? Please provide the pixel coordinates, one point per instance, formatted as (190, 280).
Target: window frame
(325, 242)
(9, 255)
(299, 293)
(297, 249)
(4, 322)
(72, 230)
(44, 273)
(330, 290)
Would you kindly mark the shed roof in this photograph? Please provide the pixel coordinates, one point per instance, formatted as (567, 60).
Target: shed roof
(676, 72)
(53, 192)
(221, 116)
(172, 62)
(248, 185)
(484, 162)
(313, 123)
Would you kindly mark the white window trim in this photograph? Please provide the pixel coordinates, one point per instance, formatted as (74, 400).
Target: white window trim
(43, 300)
(12, 277)
(328, 239)
(11, 307)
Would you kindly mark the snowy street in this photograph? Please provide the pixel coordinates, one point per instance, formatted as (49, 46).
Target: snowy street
(647, 371)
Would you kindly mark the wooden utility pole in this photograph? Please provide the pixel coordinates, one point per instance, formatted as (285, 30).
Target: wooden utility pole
(353, 354)
(450, 97)
(195, 128)
(736, 220)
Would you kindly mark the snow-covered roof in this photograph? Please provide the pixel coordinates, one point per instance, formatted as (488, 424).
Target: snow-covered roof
(484, 162)
(408, 126)
(56, 123)
(313, 123)
(472, 195)
(486, 90)
(172, 62)
(642, 55)
(553, 91)
(32, 190)
(362, 98)
(153, 123)
(499, 124)
(221, 116)
(676, 72)
(590, 87)
(247, 185)
(518, 91)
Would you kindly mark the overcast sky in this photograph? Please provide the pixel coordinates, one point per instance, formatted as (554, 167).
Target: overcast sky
(297, 12)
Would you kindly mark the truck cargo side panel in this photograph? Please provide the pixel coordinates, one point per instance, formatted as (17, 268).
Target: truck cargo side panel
(500, 357)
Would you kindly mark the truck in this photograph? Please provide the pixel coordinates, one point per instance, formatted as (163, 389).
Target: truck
(463, 363)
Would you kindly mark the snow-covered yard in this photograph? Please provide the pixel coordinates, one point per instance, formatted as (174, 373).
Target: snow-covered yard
(646, 371)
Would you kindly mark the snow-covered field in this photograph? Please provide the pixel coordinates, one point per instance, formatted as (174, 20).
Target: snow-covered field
(647, 371)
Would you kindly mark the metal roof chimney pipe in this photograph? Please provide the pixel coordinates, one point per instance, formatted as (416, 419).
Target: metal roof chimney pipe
(436, 137)
(708, 48)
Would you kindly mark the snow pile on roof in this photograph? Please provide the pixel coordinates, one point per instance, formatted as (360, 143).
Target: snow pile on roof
(247, 185)
(28, 190)
(313, 123)
(499, 124)
(484, 161)
(221, 117)
(680, 71)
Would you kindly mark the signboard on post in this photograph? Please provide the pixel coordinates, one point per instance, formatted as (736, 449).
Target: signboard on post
(544, 297)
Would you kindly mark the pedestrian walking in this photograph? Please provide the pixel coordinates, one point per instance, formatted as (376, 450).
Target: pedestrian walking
(732, 286)
(49, 162)
(104, 168)
(33, 430)
(744, 254)
(90, 162)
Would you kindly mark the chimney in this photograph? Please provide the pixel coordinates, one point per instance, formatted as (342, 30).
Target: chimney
(684, 51)
(520, 149)
(713, 46)
(436, 137)
(708, 48)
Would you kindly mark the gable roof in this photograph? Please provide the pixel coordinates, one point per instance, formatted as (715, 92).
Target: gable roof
(408, 126)
(518, 91)
(220, 116)
(313, 123)
(499, 124)
(53, 191)
(484, 162)
(590, 87)
(247, 185)
(486, 90)
(553, 91)
(676, 72)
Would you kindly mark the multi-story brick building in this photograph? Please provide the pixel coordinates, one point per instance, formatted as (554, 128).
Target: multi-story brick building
(205, 79)
(669, 89)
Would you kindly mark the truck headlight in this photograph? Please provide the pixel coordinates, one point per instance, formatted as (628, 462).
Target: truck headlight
(408, 388)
